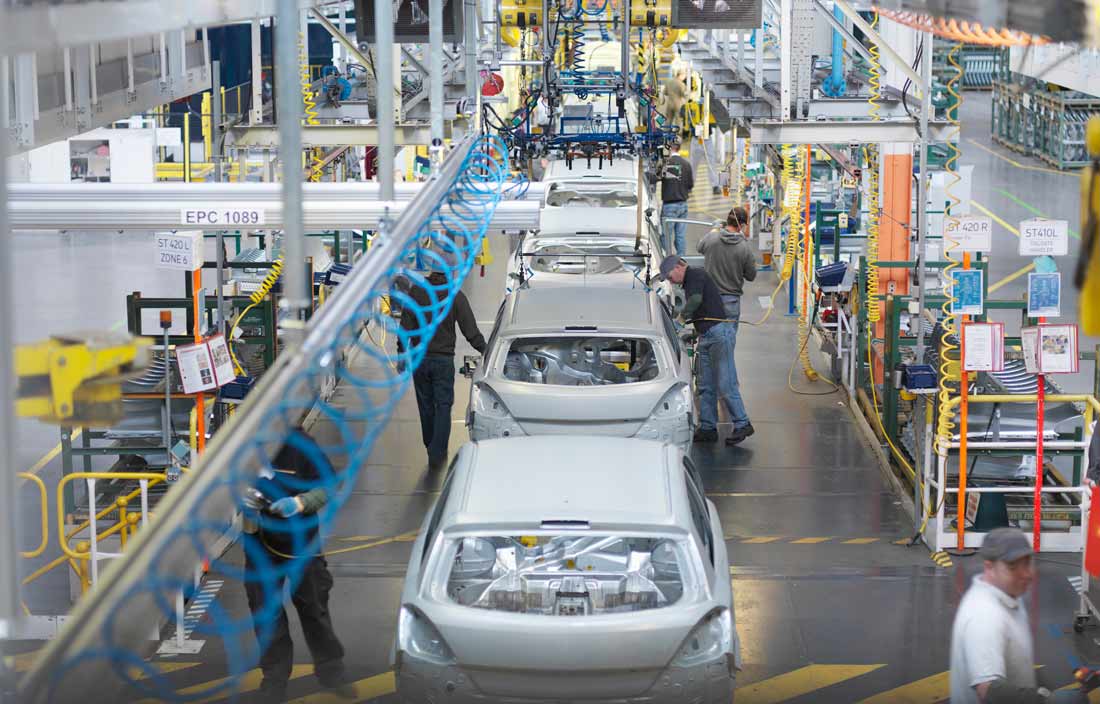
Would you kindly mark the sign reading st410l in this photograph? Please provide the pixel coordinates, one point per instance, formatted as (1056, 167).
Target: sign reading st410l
(1044, 237)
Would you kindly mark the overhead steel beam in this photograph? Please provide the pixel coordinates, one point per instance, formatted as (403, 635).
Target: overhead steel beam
(854, 108)
(267, 136)
(115, 214)
(46, 26)
(844, 132)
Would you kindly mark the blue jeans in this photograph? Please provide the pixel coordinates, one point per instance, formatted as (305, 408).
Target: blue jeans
(718, 377)
(732, 304)
(679, 229)
(434, 381)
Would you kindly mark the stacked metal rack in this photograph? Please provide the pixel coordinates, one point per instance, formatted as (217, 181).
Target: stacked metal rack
(1014, 118)
(1049, 125)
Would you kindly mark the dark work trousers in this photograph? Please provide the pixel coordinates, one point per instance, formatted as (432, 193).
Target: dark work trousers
(311, 601)
(435, 396)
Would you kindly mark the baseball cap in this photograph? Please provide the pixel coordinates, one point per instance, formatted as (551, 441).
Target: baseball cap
(1005, 545)
(668, 264)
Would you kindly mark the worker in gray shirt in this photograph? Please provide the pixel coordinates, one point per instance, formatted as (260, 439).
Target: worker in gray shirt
(729, 260)
(992, 658)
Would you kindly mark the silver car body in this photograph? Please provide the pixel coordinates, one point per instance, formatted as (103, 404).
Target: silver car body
(571, 260)
(583, 360)
(564, 570)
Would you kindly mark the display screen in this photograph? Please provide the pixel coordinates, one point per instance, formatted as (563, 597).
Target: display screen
(717, 14)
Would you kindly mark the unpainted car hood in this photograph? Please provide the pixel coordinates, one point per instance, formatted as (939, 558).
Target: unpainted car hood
(603, 221)
(590, 404)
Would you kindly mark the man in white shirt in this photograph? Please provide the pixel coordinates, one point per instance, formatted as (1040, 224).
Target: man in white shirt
(991, 652)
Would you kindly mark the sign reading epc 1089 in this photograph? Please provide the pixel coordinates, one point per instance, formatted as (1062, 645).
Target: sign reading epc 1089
(221, 217)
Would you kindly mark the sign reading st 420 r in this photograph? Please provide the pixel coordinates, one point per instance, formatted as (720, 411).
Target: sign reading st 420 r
(973, 233)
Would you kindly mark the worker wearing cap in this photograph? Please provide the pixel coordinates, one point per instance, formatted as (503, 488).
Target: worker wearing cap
(717, 375)
(992, 660)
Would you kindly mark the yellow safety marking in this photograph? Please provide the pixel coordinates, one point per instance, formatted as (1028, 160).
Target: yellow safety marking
(403, 538)
(1011, 277)
(366, 690)
(761, 540)
(861, 541)
(250, 682)
(799, 682)
(936, 688)
(164, 668)
(810, 541)
(1017, 164)
(356, 538)
(942, 559)
(49, 456)
(998, 219)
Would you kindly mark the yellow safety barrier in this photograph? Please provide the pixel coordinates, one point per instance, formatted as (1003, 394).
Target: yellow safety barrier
(200, 171)
(63, 538)
(45, 515)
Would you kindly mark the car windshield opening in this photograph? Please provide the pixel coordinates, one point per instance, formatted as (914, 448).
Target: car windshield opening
(581, 361)
(567, 575)
(585, 259)
(599, 194)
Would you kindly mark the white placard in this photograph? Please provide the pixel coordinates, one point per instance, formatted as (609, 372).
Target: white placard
(196, 368)
(222, 217)
(205, 365)
(1044, 238)
(1058, 349)
(974, 233)
(179, 250)
(1029, 342)
(223, 363)
(983, 347)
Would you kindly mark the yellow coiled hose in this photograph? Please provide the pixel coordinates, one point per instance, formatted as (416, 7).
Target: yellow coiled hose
(791, 184)
(949, 368)
(874, 226)
(255, 298)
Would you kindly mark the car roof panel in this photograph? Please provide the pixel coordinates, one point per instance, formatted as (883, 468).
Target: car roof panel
(581, 306)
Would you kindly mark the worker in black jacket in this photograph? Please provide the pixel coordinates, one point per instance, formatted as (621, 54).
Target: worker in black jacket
(280, 524)
(434, 379)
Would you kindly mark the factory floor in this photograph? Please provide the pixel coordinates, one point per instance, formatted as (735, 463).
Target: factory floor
(829, 607)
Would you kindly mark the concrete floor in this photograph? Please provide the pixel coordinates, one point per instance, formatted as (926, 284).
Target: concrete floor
(829, 608)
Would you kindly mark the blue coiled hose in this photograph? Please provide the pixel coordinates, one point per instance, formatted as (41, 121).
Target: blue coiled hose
(447, 241)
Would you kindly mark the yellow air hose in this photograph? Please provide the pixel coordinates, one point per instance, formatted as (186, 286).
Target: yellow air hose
(949, 368)
(792, 190)
(255, 298)
(874, 222)
(316, 170)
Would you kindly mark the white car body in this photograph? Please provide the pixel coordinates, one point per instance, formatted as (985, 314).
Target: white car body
(583, 360)
(561, 570)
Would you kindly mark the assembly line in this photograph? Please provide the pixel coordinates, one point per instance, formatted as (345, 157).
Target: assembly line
(549, 352)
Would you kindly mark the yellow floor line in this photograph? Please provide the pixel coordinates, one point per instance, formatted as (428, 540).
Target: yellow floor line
(861, 541)
(1017, 164)
(1000, 221)
(809, 541)
(799, 682)
(164, 667)
(250, 682)
(761, 540)
(1011, 277)
(366, 690)
(929, 690)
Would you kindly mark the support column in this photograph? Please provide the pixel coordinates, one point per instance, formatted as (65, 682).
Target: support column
(256, 114)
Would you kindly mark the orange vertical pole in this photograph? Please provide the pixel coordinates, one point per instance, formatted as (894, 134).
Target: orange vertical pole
(964, 412)
(200, 400)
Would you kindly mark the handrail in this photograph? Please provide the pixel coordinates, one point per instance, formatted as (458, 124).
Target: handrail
(110, 509)
(45, 515)
(62, 538)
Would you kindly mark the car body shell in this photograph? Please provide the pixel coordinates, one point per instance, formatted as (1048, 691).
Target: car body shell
(519, 486)
(659, 408)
